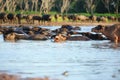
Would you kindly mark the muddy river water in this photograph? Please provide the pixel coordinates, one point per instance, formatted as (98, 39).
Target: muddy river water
(81, 60)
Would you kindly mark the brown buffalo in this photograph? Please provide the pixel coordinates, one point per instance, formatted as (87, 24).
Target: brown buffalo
(37, 18)
(19, 18)
(60, 38)
(46, 18)
(1, 29)
(111, 18)
(24, 32)
(9, 34)
(29, 19)
(10, 37)
(119, 19)
(3, 17)
(72, 17)
(111, 32)
(93, 36)
(93, 18)
(82, 18)
(11, 18)
(78, 38)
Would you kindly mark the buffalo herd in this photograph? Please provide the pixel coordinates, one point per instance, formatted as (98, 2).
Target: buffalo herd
(64, 33)
(30, 19)
(19, 18)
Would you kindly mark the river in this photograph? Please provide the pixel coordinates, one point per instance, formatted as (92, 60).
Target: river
(82, 60)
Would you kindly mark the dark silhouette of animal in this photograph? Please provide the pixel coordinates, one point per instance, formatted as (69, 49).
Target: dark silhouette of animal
(72, 17)
(25, 32)
(78, 38)
(19, 18)
(1, 29)
(37, 18)
(102, 19)
(93, 18)
(3, 17)
(62, 37)
(65, 30)
(11, 18)
(111, 18)
(93, 36)
(119, 19)
(46, 18)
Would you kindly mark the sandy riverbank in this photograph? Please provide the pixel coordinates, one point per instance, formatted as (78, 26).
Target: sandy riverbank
(5, 76)
(62, 23)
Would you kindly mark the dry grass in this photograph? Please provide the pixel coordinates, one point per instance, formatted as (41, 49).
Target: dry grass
(62, 23)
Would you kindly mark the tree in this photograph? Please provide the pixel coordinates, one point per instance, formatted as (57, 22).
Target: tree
(90, 6)
(34, 5)
(20, 4)
(65, 6)
(116, 4)
(10, 5)
(77, 6)
(26, 8)
(46, 6)
(2, 5)
(107, 4)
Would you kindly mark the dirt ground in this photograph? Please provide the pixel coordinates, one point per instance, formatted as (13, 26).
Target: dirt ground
(5, 76)
(63, 23)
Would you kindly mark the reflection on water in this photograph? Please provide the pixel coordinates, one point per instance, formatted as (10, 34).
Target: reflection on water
(107, 45)
(82, 60)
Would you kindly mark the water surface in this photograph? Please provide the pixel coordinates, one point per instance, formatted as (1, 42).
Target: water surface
(83, 60)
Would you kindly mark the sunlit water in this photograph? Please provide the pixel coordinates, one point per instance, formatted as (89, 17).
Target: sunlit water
(84, 60)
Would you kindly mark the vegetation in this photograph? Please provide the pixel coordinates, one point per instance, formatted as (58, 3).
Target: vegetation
(61, 6)
(64, 7)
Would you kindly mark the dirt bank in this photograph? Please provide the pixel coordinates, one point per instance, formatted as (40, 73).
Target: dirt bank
(62, 23)
(4, 76)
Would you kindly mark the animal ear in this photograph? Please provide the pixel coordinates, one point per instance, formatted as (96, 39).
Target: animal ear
(100, 26)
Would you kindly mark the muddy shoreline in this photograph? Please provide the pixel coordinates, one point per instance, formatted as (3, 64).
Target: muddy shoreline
(6, 76)
(63, 23)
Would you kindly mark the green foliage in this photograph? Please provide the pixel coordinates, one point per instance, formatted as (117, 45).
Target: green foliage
(106, 14)
(53, 13)
(76, 7)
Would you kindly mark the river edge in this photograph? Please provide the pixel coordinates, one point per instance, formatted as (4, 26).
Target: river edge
(6, 76)
(64, 23)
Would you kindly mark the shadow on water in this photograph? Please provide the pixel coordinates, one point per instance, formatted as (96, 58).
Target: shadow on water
(106, 45)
